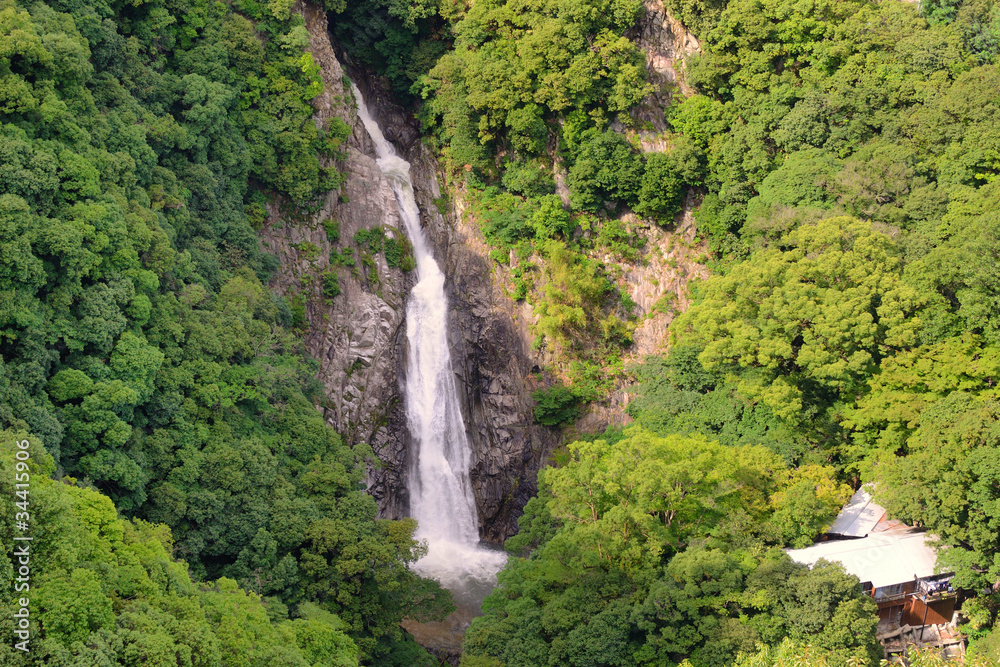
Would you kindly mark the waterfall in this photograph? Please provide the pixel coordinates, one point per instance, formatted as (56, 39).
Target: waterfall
(441, 498)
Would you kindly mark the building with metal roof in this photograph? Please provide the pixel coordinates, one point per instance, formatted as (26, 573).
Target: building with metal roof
(859, 517)
(896, 565)
(881, 559)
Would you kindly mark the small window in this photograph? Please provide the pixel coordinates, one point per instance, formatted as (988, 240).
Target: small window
(889, 591)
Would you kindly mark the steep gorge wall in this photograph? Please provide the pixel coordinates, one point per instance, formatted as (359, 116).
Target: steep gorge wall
(358, 337)
(666, 43)
(492, 356)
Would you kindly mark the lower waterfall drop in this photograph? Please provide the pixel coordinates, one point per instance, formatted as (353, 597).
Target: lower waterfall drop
(441, 492)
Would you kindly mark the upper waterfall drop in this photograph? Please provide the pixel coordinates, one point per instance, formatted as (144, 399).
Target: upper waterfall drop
(441, 495)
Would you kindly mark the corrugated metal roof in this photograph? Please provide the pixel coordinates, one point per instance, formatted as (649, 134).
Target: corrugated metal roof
(883, 559)
(859, 516)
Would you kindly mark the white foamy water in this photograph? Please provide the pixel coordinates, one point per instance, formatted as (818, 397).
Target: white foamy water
(441, 498)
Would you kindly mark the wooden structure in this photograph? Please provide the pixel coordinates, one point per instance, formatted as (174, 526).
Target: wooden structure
(925, 601)
(896, 567)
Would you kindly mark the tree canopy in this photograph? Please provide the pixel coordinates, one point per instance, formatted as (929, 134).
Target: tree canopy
(139, 146)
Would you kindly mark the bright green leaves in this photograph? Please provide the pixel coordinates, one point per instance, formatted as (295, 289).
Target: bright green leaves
(825, 309)
(78, 177)
(662, 186)
(644, 495)
(711, 604)
(357, 567)
(782, 77)
(964, 264)
(514, 71)
(572, 313)
(136, 363)
(948, 482)
(74, 606)
(647, 553)
(20, 268)
(807, 505)
(21, 51)
(792, 192)
(69, 384)
(911, 381)
(929, 427)
(605, 168)
(15, 95)
(555, 406)
(108, 587)
(551, 220)
(320, 635)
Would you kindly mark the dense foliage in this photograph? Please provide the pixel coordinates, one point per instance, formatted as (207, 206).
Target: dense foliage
(843, 161)
(651, 550)
(108, 591)
(516, 95)
(790, 654)
(862, 317)
(139, 143)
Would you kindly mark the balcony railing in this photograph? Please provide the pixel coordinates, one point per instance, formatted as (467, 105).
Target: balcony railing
(934, 588)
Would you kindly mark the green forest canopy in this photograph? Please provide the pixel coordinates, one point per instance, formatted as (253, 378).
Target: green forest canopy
(141, 348)
(845, 159)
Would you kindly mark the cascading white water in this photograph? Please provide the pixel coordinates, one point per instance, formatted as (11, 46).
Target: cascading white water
(441, 498)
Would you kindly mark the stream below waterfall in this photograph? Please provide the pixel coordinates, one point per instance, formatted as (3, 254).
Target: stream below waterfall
(441, 498)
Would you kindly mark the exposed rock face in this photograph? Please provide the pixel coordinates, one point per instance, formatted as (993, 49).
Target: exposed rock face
(666, 43)
(491, 347)
(359, 339)
(357, 336)
(491, 353)
(659, 286)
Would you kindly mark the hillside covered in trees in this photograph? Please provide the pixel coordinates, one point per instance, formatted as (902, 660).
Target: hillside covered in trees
(843, 159)
(840, 158)
(149, 365)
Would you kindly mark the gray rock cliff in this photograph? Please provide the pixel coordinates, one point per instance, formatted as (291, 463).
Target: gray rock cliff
(491, 353)
(358, 337)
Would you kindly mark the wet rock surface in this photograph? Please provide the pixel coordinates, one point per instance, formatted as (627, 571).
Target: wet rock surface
(359, 336)
(491, 354)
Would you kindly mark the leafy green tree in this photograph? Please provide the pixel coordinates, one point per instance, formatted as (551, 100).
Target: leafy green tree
(139, 146)
(572, 311)
(634, 563)
(801, 183)
(659, 195)
(73, 607)
(555, 406)
(824, 308)
(605, 168)
(962, 270)
(514, 70)
(108, 591)
(677, 395)
(648, 495)
(808, 504)
(930, 425)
